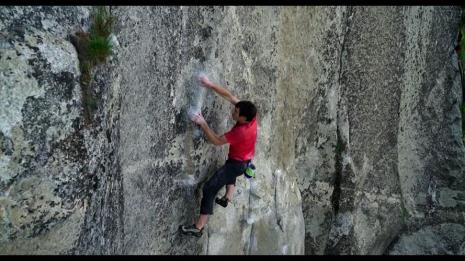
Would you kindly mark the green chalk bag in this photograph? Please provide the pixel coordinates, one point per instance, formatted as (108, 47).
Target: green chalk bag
(249, 170)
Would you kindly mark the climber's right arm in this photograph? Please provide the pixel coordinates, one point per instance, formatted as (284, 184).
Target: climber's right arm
(211, 135)
(223, 92)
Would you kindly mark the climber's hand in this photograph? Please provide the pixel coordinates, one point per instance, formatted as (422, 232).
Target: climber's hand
(205, 81)
(198, 118)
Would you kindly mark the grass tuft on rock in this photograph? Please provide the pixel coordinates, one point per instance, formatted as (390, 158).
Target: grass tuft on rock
(93, 48)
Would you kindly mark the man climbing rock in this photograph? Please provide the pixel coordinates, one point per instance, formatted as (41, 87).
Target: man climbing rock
(241, 138)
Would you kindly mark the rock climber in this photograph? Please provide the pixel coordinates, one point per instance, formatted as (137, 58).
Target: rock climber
(241, 139)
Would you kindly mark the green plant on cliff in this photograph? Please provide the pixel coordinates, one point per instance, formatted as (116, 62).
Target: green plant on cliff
(99, 49)
(93, 48)
(100, 46)
(103, 23)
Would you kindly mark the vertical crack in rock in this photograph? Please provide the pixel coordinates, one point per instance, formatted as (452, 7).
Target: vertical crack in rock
(208, 241)
(340, 146)
(188, 145)
(249, 214)
(335, 197)
(121, 205)
(276, 206)
(348, 16)
(334, 235)
(251, 242)
(103, 229)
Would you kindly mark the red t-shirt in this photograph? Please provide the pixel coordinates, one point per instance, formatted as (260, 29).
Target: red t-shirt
(241, 139)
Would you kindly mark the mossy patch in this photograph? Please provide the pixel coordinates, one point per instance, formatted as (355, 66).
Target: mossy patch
(93, 48)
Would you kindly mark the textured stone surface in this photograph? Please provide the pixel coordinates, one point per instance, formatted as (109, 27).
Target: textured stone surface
(430, 155)
(369, 206)
(396, 78)
(42, 166)
(442, 239)
(359, 148)
(162, 150)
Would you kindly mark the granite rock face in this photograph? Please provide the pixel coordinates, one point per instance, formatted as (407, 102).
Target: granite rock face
(359, 148)
(43, 175)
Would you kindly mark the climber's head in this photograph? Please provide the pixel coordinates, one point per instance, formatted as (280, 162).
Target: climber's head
(244, 111)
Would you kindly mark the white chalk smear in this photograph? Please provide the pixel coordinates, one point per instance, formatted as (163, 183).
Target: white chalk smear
(187, 180)
(198, 95)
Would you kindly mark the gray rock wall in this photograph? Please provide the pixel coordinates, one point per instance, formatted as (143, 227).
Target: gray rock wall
(165, 159)
(368, 213)
(359, 148)
(430, 155)
(43, 171)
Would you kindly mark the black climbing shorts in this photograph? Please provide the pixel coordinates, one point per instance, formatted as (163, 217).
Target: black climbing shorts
(226, 175)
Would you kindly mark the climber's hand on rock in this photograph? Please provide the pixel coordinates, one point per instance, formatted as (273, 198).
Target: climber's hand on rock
(205, 81)
(198, 118)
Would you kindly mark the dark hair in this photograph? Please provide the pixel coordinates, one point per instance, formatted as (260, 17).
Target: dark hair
(246, 109)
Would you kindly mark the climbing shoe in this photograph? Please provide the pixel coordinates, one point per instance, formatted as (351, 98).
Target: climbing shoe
(222, 201)
(191, 230)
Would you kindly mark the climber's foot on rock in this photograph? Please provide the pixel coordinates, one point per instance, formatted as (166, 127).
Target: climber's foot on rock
(191, 230)
(222, 201)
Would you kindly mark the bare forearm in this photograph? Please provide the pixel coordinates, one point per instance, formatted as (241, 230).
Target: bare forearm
(211, 135)
(221, 90)
(225, 93)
